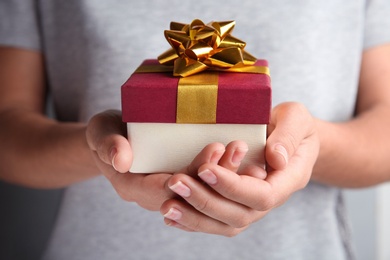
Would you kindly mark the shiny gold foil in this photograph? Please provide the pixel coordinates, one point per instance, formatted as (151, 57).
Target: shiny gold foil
(198, 46)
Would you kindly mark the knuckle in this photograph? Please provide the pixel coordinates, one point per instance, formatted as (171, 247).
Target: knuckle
(242, 221)
(123, 195)
(231, 188)
(202, 205)
(291, 141)
(266, 204)
(302, 185)
(232, 232)
(196, 225)
(295, 108)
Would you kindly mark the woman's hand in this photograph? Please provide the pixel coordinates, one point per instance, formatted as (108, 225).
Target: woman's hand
(229, 202)
(113, 156)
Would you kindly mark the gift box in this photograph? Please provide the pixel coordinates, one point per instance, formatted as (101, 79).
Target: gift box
(168, 127)
(205, 89)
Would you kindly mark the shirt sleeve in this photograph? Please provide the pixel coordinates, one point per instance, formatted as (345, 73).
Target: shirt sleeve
(19, 24)
(377, 23)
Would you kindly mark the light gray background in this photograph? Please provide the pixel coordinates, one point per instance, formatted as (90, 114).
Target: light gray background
(361, 205)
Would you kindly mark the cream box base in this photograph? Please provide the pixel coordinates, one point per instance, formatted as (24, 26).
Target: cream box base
(168, 147)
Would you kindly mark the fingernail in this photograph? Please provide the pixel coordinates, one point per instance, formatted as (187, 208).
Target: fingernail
(282, 151)
(181, 189)
(113, 155)
(238, 155)
(173, 214)
(216, 156)
(208, 177)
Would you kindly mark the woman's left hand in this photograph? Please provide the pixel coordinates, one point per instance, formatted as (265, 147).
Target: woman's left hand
(220, 201)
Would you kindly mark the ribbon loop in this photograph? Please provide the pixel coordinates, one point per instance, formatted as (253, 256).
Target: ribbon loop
(198, 46)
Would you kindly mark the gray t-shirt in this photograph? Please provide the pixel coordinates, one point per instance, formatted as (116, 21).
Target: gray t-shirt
(91, 47)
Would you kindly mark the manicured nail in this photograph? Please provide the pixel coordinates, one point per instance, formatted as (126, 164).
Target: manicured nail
(173, 214)
(282, 151)
(113, 155)
(208, 177)
(181, 189)
(238, 155)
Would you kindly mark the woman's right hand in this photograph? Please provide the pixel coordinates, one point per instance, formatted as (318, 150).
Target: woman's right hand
(106, 137)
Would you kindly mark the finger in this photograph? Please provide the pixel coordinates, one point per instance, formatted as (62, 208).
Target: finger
(298, 173)
(233, 156)
(290, 124)
(245, 189)
(211, 153)
(210, 203)
(275, 189)
(170, 222)
(185, 217)
(106, 135)
(147, 190)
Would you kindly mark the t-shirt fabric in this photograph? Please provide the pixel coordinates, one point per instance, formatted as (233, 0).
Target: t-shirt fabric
(91, 47)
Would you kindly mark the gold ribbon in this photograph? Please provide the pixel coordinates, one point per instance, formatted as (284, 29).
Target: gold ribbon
(197, 99)
(198, 46)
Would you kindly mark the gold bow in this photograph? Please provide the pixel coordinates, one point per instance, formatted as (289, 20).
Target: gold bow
(198, 46)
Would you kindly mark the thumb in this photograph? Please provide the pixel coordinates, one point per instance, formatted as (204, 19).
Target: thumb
(290, 125)
(106, 137)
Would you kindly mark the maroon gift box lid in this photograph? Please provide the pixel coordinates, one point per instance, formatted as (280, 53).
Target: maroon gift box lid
(243, 98)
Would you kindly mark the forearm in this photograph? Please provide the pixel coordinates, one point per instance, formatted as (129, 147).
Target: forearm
(40, 152)
(355, 153)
